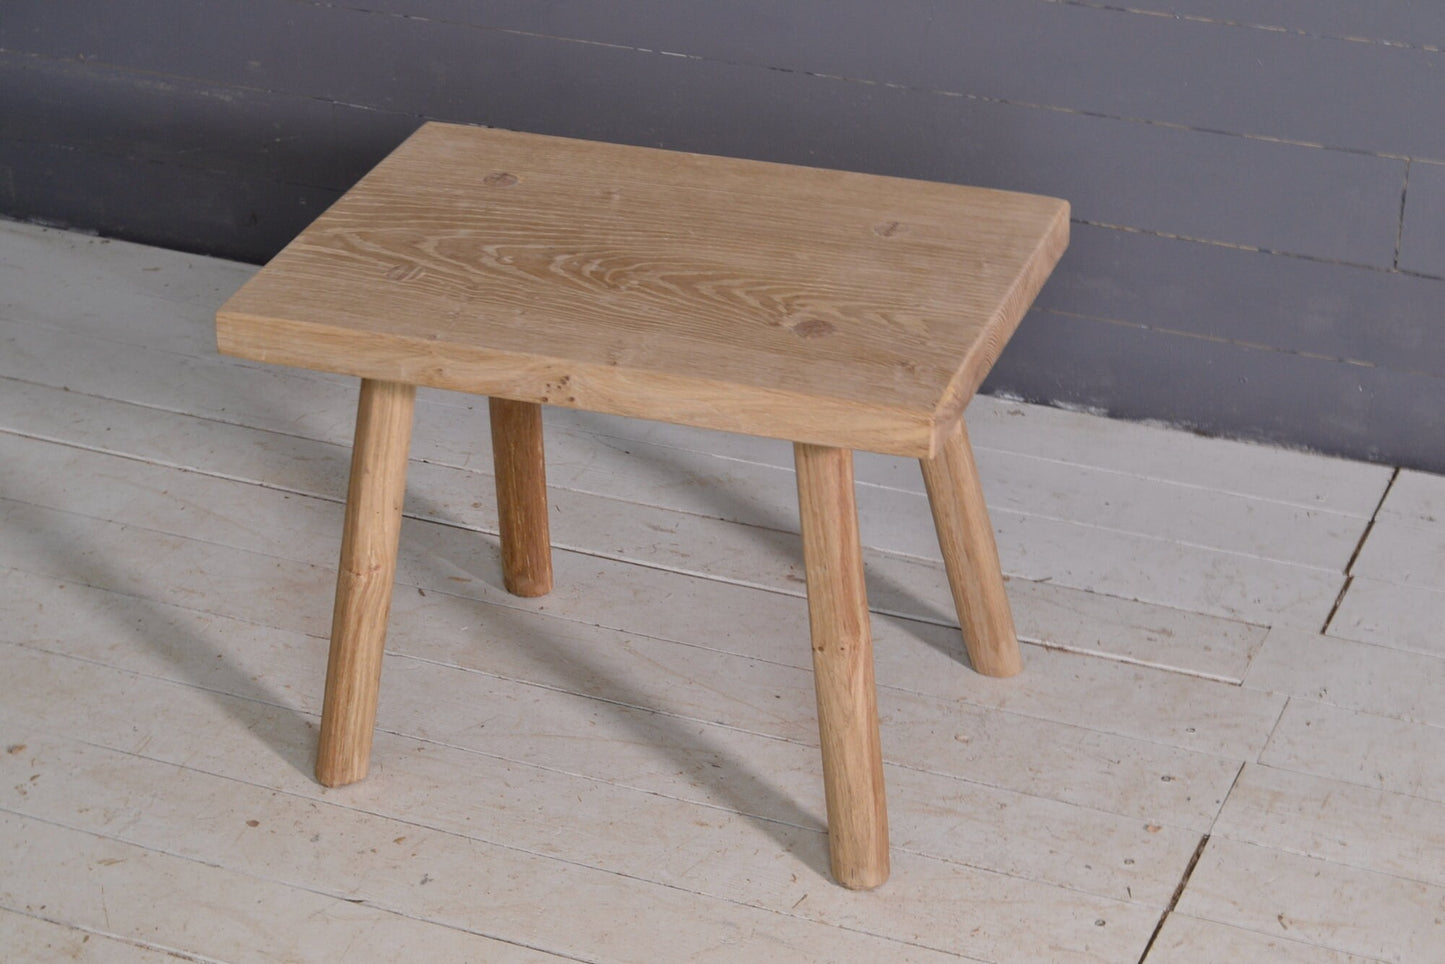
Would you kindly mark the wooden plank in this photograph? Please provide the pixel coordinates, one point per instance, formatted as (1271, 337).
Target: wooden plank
(1185, 939)
(579, 824)
(1075, 438)
(891, 498)
(1147, 779)
(1393, 615)
(1082, 621)
(1388, 833)
(144, 895)
(1025, 484)
(1027, 835)
(1230, 585)
(865, 342)
(1063, 617)
(33, 258)
(1185, 514)
(27, 938)
(1300, 898)
(1404, 554)
(576, 464)
(1386, 754)
(1415, 498)
(178, 290)
(445, 558)
(892, 520)
(265, 395)
(1352, 675)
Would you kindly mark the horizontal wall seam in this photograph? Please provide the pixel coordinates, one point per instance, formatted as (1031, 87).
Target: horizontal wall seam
(1240, 343)
(891, 85)
(1244, 25)
(1236, 246)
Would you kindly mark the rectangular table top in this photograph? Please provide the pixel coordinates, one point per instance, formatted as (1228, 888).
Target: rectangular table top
(813, 305)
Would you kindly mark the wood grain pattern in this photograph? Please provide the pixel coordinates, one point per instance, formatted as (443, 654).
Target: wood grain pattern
(521, 472)
(813, 305)
(843, 667)
(965, 535)
(364, 579)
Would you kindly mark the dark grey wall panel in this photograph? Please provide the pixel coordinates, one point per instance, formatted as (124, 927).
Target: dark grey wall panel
(1213, 76)
(99, 109)
(1422, 240)
(1217, 387)
(1419, 23)
(1279, 197)
(1297, 305)
(154, 203)
(1224, 274)
(1367, 97)
(276, 45)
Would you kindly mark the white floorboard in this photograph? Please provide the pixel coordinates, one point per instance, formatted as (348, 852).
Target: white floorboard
(1382, 752)
(627, 768)
(156, 899)
(27, 938)
(1315, 901)
(1189, 940)
(1375, 679)
(1394, 615)
(1377, 830)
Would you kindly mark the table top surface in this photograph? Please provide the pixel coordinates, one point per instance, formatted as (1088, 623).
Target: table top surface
(814, 305)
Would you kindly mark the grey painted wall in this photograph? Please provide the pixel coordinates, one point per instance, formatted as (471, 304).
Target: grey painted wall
(1258, 185)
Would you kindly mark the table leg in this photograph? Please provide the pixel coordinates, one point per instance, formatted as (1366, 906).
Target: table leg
(970, 556)
(521, 471)
(843, 667)
(364, 579)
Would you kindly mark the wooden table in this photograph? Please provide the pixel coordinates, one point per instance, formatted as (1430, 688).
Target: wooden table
(839, 311)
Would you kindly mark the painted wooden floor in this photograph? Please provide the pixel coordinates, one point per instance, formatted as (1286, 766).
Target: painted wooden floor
(1228, 742)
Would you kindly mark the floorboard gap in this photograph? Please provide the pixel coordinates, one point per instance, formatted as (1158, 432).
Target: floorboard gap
(1174, 900)
(1359, 547)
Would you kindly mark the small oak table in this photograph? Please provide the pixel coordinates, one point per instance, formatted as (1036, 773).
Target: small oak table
(839, 311)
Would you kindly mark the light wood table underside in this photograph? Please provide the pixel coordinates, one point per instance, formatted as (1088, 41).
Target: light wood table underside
(839, 311)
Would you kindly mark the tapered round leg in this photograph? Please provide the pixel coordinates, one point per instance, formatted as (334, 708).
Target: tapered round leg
(970, 556)
(843, 667)
(521, 472)
(364, 579)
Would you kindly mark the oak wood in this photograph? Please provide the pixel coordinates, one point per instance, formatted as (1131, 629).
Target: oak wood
(843, 667)
(521, 472)
(970, 557)
(819, 306)
(364, 579)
